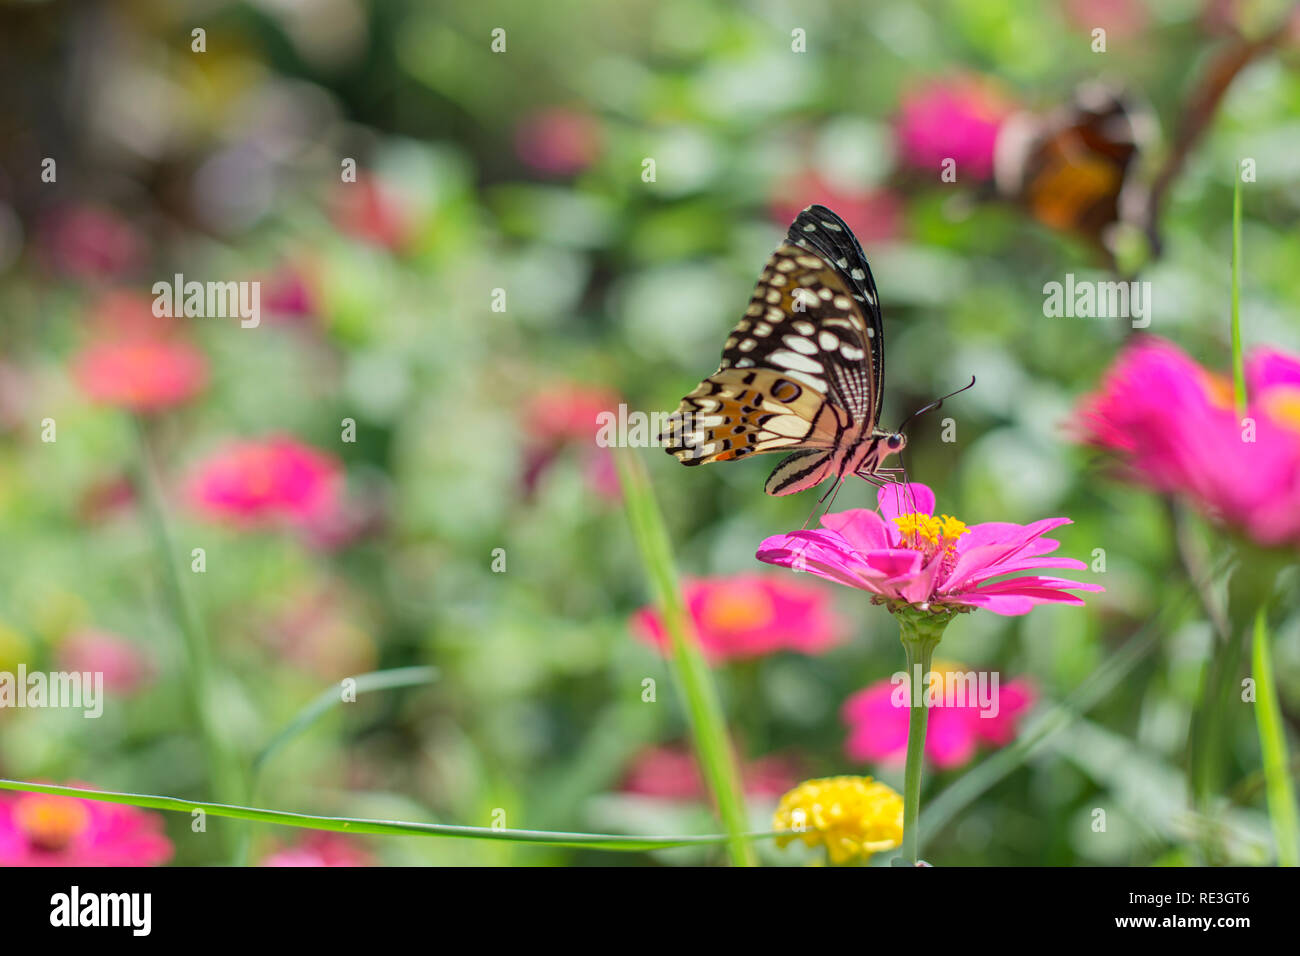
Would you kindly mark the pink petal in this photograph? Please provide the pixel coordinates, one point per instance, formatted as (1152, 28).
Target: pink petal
(905, 499)
(862, 528)
(894, 563)
(1033, 583)
(950, 737)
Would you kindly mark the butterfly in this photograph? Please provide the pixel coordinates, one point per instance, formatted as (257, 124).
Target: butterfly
(801, 372)
(1074, 168)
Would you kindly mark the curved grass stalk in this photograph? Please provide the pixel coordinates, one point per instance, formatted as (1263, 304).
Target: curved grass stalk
(331, 697)
(589, 841)
(708, 728)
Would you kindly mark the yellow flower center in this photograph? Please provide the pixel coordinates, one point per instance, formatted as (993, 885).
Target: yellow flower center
(1218, 389)
(736, 608)
(1283, 404)
(51, 823)
(930, 534)
(853, 817)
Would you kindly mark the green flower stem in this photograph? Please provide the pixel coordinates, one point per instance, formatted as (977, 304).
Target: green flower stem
(921, 632)
(708, 728)
(224, 770)
(1272, 745)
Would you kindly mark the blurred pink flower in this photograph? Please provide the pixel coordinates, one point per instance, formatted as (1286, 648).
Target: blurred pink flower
(316, 629)
(119, 314)
(372, 211)
(38, 829)
(1174, 427)
(671, 773)
(143, 375)
(917, 558)
(124, 664)
(320, 848)
(877, 718)
(874, 215)
(559, 142)
(751, 615)
(288, 294)
(1119, 18)
(268, 481)
(951, 118)
(90, 242)
(565, 416)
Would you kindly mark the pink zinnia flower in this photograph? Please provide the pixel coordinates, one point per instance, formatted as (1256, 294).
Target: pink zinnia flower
(320, 848)
(953, 118)
(567, 415)
(125, 666)
(38, 829)
(874, 215)
(877, 718)
(1174, 426)
(915, 557)
(751, 615)
(1119, 18)
(559, 142)
(372, 211)
(268, 481)
(671, 773)
(90, 242)
(143, 375)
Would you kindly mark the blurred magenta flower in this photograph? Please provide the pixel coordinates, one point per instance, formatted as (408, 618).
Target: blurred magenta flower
(565, 415)
(288, 294)
(559, 142)
(751, 615)
(90, 242)
(877, 718)
(124, 664)
(143, 375)
(671, 773)
(913, 557)
(1119, 18)
(875, 215)
(320, 848)
(955, 118)
(373, 211)
(1173, 425)
(38, 829)
(268, 481)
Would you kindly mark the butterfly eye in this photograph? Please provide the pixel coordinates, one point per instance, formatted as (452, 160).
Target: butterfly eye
(894, 442)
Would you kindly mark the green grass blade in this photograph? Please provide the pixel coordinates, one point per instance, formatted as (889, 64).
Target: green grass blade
(332, 697)
(708, 729)
(226, 774)
(1238, 364)
(1273, 750)
(590, 841)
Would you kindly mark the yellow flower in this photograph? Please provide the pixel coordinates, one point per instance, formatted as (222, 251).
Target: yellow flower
(853, 817)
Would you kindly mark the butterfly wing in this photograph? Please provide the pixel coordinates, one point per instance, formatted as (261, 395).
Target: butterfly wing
(821, 231)
(797, 372)
(1072, 169)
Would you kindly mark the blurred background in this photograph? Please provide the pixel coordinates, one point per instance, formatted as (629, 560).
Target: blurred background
(397, 466)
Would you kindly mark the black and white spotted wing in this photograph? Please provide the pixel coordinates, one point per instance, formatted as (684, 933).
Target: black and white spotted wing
(821, 231)
(799, 370)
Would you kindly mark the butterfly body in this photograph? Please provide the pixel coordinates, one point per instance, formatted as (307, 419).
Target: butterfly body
(801, 372)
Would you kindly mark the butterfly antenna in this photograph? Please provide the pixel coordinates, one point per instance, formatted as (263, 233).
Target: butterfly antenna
(935, 404)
